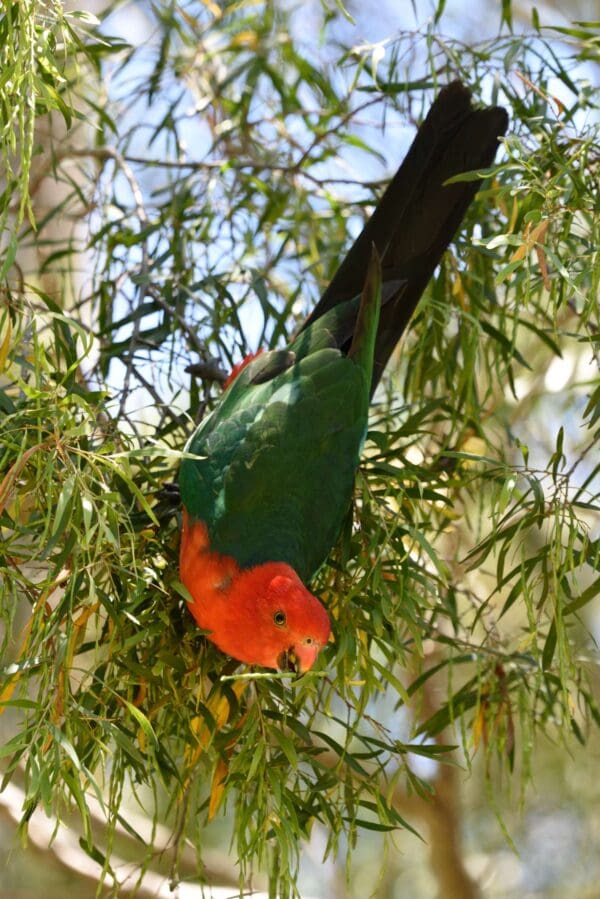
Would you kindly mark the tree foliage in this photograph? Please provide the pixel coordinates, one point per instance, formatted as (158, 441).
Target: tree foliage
(210, 177)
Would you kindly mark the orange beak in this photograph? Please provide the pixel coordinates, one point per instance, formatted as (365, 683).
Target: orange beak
(305, 656)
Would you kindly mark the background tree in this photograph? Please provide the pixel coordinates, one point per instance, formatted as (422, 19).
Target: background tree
(213, 164)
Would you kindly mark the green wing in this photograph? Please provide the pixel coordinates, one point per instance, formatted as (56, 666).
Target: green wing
(279, 453)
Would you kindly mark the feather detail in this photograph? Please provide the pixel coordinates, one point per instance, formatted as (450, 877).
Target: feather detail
(209, 573)
(262, 615)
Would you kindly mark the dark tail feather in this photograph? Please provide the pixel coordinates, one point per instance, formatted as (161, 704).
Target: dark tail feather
(417, 217)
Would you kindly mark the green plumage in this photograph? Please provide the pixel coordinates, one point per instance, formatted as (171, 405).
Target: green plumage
(280, 451)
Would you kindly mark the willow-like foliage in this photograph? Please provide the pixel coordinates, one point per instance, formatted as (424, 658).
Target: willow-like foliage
(228, 161)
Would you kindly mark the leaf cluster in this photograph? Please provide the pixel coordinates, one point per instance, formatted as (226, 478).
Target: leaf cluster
(459, 583)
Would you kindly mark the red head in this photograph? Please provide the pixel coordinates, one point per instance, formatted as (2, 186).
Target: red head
(262, 615)
(272, 620)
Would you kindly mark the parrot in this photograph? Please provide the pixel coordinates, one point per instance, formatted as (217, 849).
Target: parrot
(267, 477)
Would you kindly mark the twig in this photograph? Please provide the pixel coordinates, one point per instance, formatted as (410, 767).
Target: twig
(207, 371)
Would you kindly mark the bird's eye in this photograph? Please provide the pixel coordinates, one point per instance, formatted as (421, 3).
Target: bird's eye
(279, 618)
(308, 641)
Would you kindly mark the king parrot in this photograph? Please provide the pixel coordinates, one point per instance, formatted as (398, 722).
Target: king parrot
(268, 476)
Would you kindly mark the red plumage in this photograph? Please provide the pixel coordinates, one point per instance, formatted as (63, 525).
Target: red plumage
(262, 615)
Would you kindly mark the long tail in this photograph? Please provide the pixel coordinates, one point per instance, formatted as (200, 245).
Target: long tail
(418, 216)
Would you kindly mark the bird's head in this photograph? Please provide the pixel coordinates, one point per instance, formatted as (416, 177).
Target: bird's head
(278, 622)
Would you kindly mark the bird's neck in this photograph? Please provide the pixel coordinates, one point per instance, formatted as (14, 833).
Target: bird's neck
(224, 596)
(210, 577)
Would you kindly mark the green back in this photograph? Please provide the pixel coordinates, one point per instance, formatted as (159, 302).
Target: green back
(279, 457)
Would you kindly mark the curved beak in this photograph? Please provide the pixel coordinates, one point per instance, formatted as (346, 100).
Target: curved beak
(298, 658)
